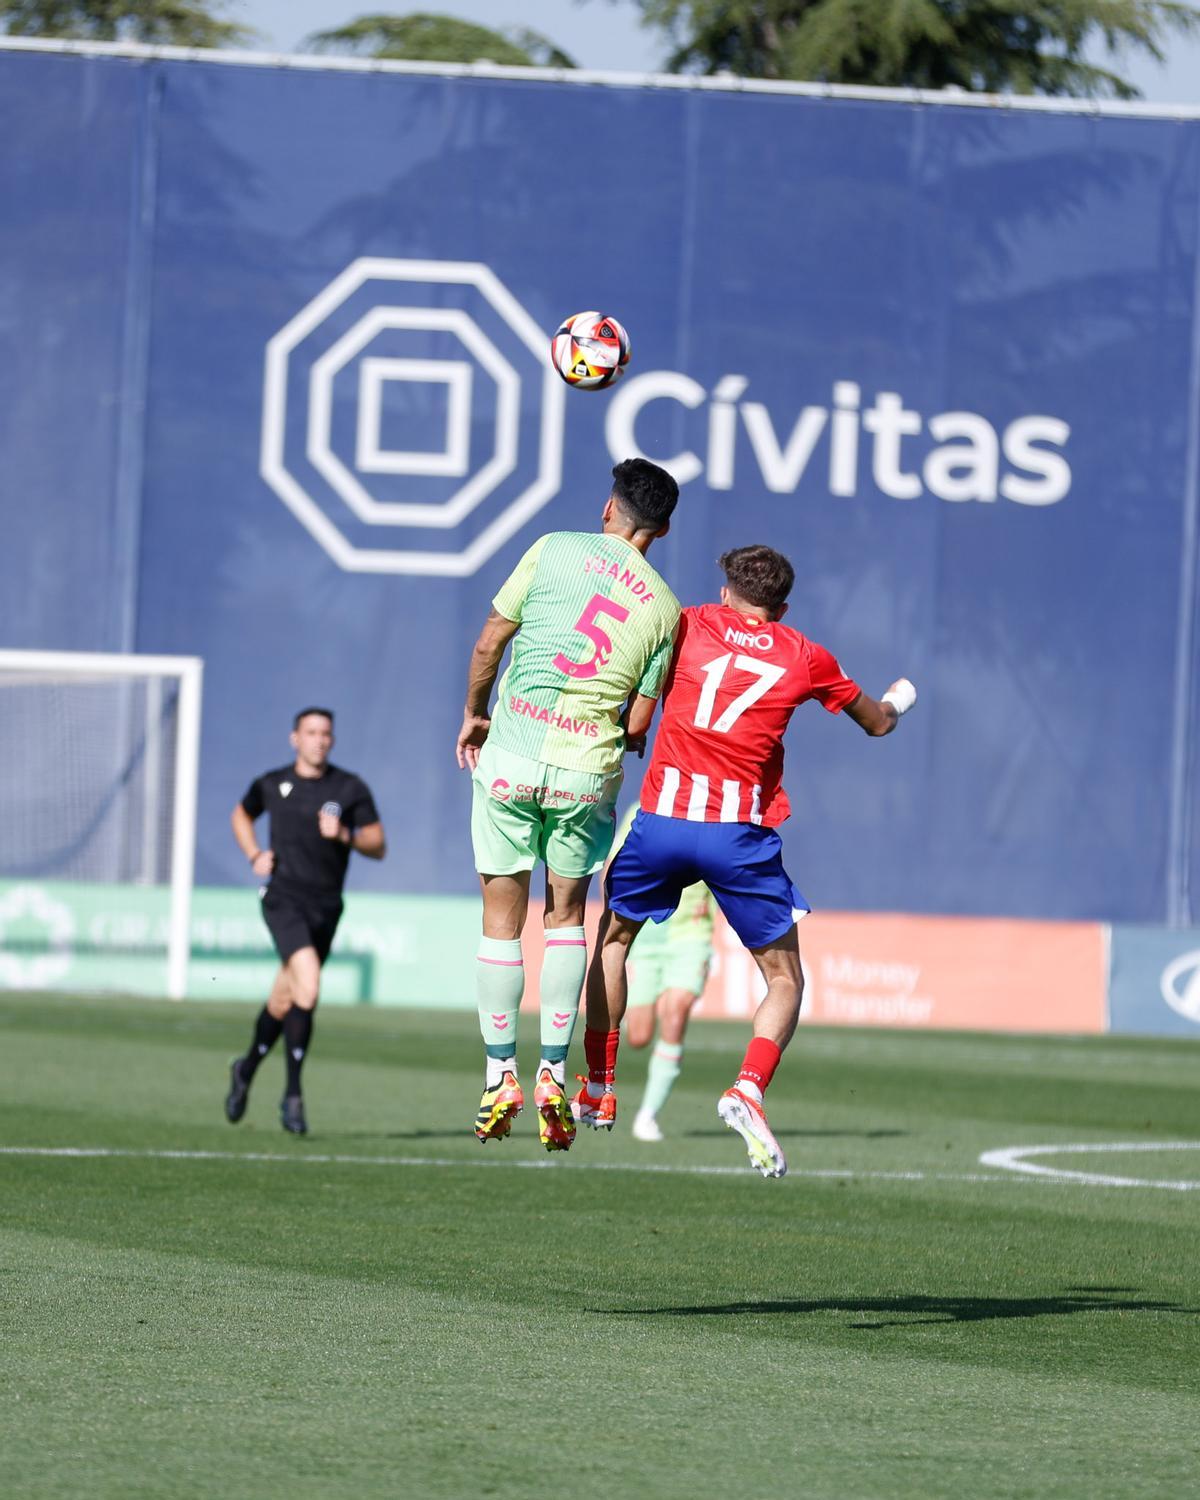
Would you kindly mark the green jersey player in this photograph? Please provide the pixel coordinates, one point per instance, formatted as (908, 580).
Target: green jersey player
(668, 968)
(594, 628)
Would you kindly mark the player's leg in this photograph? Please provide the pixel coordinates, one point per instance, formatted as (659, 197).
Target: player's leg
(505, 836)
(563, 966)
(744, 870)
(288, 927)
(666, 1061)
(644, 881)
(268, 1028)
(579, 820)
(304, 981)
(561, 983)
(778, 1013)
(280, 999)
(304, 965)
(742, 1107)
(643, 982)
(499, 986)
(608, 975)
(607, 997)
(640, 1020)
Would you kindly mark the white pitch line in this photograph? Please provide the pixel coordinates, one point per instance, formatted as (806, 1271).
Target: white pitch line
(1009, 1159)
(331, 1159)
(1012, 1159)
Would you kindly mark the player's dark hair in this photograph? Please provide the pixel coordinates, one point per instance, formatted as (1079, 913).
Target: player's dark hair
(646, 493)
(759, 575)
(326, 713)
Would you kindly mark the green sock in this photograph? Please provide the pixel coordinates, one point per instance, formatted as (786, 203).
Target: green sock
(661, 1075)
(562, 982)
(499, 985)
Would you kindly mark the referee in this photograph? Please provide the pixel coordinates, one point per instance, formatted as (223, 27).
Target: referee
(318, 814)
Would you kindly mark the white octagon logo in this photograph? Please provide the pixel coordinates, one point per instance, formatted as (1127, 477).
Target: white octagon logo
(523, 382)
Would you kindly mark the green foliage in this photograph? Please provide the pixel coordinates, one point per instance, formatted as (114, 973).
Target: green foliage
(432, 38)
(999, 46)
(179, 23)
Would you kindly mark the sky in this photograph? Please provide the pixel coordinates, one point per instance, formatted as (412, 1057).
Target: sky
(605, 34)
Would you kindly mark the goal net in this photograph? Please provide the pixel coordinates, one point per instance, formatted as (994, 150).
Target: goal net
(101, 756)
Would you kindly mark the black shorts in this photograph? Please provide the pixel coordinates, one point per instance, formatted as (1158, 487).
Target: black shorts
(296, 921)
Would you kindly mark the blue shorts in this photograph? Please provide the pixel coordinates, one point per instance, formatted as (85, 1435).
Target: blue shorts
(740, 863)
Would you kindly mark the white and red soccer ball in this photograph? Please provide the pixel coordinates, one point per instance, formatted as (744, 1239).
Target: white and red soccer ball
(590, 350)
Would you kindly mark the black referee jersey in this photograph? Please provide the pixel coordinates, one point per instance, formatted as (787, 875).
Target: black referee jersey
(305, 863)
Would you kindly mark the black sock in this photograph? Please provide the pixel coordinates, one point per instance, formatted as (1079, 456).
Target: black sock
(266, 1033)
(297, 1030)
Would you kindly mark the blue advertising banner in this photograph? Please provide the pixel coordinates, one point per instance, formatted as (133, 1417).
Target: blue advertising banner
(943, 357)
(1154, 982)
(73, 181)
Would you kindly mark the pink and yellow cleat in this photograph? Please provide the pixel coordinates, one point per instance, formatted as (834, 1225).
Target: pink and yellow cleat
(556, 1123)
(498, 1108)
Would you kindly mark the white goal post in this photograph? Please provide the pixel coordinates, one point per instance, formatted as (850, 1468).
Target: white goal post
(102, 758)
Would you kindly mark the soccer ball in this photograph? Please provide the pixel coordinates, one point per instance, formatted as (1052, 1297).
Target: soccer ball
(590, 350)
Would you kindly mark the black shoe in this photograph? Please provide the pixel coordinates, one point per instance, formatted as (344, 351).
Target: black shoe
(291, 1115)
(239, 1093)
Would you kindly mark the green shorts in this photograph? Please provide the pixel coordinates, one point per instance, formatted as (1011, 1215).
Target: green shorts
(523, 811)
(664, 965)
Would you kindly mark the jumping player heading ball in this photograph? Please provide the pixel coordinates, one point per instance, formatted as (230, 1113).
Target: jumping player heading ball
(711, 801)
(592, 625)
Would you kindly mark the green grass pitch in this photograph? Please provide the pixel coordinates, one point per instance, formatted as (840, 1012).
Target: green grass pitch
(386, 1308)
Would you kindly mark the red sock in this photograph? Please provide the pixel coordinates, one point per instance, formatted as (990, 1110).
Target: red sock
(759, 1064)
(600, 1049)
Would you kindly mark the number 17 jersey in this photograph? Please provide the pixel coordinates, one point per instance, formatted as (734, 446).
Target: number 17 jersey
(597, 624)
(734, 684)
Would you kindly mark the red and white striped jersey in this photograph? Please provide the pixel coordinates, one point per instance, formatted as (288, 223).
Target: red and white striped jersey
(733, 686)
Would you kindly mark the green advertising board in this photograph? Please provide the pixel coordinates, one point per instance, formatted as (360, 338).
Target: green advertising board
(390, 950)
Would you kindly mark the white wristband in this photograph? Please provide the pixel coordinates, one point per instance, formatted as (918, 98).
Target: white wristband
(901, 695)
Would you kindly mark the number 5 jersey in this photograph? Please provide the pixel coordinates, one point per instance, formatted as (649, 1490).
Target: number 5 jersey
(734, 684)
(597, 624)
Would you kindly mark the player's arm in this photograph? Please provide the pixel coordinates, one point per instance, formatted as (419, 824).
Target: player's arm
(639, 711)
(363, 830)
(261, 861)
(368, 840)
(485, 662)
(877, 716)
(637, 718)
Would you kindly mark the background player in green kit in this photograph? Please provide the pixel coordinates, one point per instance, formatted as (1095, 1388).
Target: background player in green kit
(668, 967)
(594, 627)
